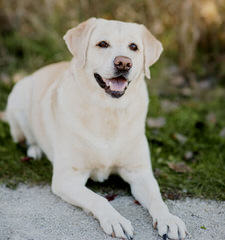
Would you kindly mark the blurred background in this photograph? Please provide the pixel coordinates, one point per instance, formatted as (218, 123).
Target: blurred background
(186, 121)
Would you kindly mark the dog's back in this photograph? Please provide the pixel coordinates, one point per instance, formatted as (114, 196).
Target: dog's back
(27, 93)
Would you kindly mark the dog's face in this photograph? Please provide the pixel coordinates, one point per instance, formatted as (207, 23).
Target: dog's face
(113, 53)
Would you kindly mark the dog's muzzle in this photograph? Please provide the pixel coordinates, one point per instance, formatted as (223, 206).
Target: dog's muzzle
(115, 87)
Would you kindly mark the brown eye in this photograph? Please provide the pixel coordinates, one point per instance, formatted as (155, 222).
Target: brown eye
(133, 47)
(103, 44)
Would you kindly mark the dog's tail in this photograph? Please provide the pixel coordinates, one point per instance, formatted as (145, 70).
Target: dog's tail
(3, 116)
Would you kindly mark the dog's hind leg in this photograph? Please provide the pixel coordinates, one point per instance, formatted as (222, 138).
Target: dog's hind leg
(20, 130)
(15, 129)
(33, 150)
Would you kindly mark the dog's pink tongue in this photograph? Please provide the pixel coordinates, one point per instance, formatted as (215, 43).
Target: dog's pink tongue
(117, 85)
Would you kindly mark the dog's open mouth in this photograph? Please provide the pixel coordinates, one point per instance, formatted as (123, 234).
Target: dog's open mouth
(116, 87)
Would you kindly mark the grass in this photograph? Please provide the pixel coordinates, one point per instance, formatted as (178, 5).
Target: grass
(204, 176)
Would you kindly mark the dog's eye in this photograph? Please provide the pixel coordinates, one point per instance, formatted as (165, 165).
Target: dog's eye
(103, 44)
(133, 47)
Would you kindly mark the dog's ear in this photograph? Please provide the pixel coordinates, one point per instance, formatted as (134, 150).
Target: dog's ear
(152, 50)
(77, 40)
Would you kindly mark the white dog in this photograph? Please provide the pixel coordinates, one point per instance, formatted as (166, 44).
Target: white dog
(88, 117)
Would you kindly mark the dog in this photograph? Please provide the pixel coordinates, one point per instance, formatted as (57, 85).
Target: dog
(88, 116)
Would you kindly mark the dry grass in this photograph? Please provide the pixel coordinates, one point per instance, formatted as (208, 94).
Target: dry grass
(187, 28)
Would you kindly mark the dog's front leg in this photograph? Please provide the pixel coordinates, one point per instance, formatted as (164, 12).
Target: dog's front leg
(145, 189)
(69, 184)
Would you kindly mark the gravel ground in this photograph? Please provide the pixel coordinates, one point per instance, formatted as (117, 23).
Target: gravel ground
(36, 214)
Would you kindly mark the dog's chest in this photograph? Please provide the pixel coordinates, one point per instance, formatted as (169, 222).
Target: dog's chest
(106, 124)
(103, 139)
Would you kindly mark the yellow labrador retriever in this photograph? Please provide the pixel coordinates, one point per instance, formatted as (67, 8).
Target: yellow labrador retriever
(88, 117)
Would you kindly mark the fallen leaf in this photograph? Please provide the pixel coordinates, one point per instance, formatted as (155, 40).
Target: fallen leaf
(156, 122)
(111, 197)
(180, 167)
(211, 118)
(180, 138)
(178, 80)
(136, 202)
(25, 159)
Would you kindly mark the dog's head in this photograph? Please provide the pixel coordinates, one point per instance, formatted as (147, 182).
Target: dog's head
(113, 53)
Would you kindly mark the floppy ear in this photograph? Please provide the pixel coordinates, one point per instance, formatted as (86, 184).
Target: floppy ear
(152, 50)
(77, 40)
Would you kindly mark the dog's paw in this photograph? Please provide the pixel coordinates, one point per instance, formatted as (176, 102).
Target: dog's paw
(34, 152)
(170, 226)
(117, 226)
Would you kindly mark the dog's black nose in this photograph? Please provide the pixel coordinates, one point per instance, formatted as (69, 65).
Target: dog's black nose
(122, 63)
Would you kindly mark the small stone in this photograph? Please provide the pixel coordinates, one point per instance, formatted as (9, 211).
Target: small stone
(180, 138)
(186, 92)
(188, 155)
(156, 122)
(169, 106)
(222, 133)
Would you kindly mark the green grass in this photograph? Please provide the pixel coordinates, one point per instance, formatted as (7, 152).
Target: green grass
(206, 177)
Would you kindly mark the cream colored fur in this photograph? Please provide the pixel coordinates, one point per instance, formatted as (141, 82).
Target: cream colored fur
(85, 133)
